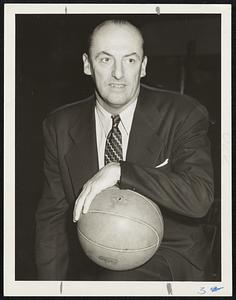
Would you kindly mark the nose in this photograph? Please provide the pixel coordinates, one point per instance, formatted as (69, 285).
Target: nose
(117, 71)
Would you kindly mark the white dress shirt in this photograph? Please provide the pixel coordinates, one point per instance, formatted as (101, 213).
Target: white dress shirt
(103, 122)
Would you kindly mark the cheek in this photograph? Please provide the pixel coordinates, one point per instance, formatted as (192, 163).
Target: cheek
(99, 78)
(134, 78)
(102, 70)
(133, 73)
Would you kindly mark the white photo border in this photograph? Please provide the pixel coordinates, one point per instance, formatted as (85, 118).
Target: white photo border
(115, 288)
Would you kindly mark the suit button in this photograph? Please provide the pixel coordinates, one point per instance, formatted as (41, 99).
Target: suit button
(133, 189)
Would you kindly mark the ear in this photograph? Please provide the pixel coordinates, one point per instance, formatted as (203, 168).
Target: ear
(143, 67)
(87, 67)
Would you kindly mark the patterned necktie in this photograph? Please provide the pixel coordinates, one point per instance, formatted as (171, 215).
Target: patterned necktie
(113, 148)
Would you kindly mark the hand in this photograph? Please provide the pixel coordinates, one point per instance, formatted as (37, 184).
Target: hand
(105, 178)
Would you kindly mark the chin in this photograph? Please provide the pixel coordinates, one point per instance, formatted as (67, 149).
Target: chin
(118, 104)
(113, 100)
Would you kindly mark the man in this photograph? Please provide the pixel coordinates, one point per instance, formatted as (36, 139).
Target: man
(141, 138)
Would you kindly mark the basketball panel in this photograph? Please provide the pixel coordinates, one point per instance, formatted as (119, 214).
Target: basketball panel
(129, 204)
(117, 232)
(116, 260)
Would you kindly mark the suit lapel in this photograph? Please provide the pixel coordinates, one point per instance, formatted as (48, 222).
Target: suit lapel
(82, 158)
(145, 144)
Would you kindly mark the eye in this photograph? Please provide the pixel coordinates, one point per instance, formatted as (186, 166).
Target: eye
(131, 60)
(105, 59)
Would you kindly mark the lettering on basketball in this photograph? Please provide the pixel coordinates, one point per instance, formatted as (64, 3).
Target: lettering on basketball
(108, 260)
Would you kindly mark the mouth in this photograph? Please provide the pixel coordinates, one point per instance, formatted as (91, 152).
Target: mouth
(117, 85)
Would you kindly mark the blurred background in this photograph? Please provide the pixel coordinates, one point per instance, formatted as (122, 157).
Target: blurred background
(184, 55)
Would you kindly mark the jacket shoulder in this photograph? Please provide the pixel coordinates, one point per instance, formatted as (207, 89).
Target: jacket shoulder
(169, 100)
(67, 114)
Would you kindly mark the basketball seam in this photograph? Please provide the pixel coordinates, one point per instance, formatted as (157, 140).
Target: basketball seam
(153, 206)
(132, 219)
(150, 202)
(129, 218)
(117, 250)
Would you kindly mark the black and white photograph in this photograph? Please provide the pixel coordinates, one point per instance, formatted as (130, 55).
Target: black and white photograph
(119, 153)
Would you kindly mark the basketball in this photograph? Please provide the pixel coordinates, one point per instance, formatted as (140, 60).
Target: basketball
(122, 229)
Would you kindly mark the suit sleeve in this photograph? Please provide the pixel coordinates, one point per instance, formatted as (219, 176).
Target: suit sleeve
(185, 184)
(51, 238)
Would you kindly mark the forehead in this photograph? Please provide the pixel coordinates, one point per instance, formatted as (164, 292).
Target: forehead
(117, 38)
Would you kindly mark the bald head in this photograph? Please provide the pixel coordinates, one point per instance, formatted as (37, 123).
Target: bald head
(110, 27)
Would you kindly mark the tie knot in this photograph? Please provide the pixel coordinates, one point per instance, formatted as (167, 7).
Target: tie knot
(115, 120)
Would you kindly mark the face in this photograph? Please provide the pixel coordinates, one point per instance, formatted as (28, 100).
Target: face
(116, 64)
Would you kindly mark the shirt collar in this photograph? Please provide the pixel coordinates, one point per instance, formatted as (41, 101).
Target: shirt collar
(126, 117)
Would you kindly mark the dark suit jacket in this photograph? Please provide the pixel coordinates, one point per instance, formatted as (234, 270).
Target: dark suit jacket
(165, 125)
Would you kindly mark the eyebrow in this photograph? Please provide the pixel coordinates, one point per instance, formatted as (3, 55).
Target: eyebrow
(126, 55)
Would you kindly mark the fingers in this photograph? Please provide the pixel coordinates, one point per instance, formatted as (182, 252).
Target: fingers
(105, 178)
(89, 200)
(77, 210)
(84, 201)
(80, 203)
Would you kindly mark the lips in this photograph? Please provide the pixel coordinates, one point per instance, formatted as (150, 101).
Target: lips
(117, 85)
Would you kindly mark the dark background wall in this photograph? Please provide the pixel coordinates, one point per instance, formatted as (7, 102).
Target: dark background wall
(184, 55)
